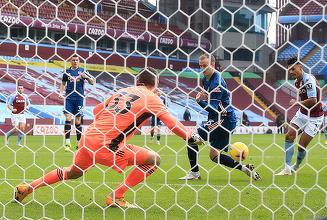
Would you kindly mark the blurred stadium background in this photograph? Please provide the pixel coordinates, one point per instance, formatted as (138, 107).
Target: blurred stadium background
(37, 37)
(117, 38)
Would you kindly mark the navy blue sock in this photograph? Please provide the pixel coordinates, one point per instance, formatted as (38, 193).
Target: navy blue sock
(227, 161)
(20, 137)
(158, 137)
(67, 129)
(192, 153)
(79, 131)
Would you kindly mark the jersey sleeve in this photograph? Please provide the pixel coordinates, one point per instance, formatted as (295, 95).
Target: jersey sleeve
(156, 107)
(214, 100)
(10, 100)
(65, 76)
(311, 88)
(28, 101)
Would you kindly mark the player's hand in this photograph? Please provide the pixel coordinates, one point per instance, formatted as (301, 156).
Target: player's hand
(61, 96)
(292, 102)
(196, 139)
(200, 96)
(14, 110)
(84, 76)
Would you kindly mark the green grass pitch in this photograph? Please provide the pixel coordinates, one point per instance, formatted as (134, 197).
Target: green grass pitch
(220, 194)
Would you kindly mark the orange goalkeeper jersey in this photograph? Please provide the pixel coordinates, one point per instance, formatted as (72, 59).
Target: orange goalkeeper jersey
(120, 116)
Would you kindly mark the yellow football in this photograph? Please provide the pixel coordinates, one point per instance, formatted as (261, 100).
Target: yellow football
(239, 151)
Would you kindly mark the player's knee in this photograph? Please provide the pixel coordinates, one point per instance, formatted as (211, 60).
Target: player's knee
(291, 135)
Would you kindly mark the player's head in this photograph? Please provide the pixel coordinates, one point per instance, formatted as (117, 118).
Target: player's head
(147, 77)
(207, 64)
(74, 61)
(20, 89)
(295, 68)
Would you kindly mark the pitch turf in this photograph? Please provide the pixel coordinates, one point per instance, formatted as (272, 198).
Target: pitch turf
(220, 194)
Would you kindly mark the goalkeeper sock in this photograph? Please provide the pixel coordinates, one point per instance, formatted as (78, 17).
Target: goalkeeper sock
(134, 177)
(301, 153)
(50, 178)
(192, 153)
(67, 130)
(227, 161)
(289, 151)
(79, 131)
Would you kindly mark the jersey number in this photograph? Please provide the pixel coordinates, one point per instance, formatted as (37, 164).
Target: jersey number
(128, 104)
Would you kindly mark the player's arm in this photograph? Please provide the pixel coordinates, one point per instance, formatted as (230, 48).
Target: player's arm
(311, 93)
(214, 100)
(63, 85)
(28, 103)
(86, 75)
(160, 110)
(10, 102)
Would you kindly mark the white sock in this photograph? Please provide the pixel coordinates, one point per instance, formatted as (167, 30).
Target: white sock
(67, 141)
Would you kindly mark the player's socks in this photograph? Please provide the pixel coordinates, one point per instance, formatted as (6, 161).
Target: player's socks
(79, 131)
(20, 137)
(134, 177)
(301, 153)
(67, 130)
(192, 153)
(10, 133)
(227, 161)
(50, 178)
(158, 137)
(67, 141)
(289, 151)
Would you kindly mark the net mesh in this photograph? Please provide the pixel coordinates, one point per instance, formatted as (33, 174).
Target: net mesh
(251, 40)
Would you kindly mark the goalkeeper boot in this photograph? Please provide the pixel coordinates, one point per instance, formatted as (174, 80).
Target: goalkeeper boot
(191, 176)
(119, 202)
(22, 191)
(249, 170)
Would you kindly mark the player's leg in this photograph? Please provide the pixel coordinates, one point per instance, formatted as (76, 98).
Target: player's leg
(301, 153)
(78, 125)
(289, 146)
(83, 160)
(146, 162)
(15, 123)
(193, 154)
(325, 130)
(21, 128)
(153, 126)
(158, 133)
(68, 111)
(311, 129)
(219, 141)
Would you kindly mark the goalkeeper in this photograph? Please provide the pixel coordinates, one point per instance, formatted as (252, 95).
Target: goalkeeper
(105, 141)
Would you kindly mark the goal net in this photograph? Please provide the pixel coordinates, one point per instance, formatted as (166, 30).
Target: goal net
(251, 40)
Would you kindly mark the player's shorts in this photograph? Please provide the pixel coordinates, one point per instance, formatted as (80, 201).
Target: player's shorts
(74, 107)
(310, 125)
(91, 152)
(155, 122)
(18, 118)
(217, 133)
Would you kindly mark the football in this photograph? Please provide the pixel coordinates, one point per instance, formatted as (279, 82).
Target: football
(239, 151)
